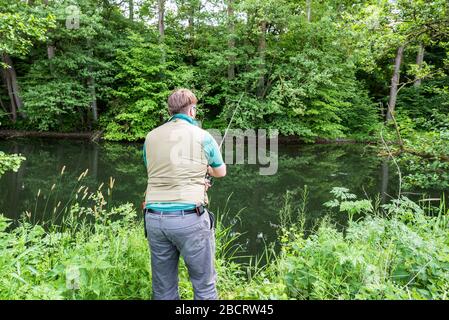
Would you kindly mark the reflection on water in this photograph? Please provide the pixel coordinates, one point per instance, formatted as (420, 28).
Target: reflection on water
(320, 167)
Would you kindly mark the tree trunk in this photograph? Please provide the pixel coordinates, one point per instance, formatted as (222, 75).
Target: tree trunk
(50, 46)
(131, 10)
(231, 41)
(3, 106)
(419, 61)
(91, 84)
(191, 21)
(309, 9)
(10, 79)
(261, 49)
(395, 82)
(12, 106)
(161, 26)
(191, 29)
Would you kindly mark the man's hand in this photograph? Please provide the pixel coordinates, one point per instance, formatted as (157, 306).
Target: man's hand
(207, 183)
(217, 172)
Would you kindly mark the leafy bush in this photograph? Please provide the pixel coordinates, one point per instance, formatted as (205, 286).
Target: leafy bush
(425, 158)
(104, 260)
(430, 100)
(55, 104)
(405, 256)
(397, 251)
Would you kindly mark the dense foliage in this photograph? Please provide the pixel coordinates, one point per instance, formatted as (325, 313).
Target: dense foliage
(308, 68)
(397, 251)
(99, 254)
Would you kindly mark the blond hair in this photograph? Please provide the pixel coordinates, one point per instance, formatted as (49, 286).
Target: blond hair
(179, 100)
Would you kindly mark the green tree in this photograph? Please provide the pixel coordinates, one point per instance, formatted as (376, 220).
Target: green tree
(144, 80)
(20, 25)
(64, 91)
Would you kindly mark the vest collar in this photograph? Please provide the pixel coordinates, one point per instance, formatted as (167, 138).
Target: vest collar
(183, 117)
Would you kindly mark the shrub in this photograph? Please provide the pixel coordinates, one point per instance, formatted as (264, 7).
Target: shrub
(405, 256)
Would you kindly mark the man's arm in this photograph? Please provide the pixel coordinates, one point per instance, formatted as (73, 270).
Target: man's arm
(217, 172)
(217, 167)
(144, 155)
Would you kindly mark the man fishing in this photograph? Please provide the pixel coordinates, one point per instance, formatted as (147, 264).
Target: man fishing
(178, 156)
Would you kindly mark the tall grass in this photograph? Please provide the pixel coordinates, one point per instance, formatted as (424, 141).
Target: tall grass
(98, 252)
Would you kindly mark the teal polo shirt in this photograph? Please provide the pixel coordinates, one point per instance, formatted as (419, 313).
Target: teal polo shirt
(214, 159)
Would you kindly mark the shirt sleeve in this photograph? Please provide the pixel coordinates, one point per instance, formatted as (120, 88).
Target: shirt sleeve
(144, 155)
(212, 151)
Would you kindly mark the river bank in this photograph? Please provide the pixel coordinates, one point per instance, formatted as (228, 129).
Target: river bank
(404, 256)
(98, 136)
(10, 134)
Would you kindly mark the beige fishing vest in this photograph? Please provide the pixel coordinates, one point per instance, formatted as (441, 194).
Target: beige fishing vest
(176, 163)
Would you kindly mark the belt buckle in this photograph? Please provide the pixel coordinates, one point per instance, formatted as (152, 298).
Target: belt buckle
(199, 210)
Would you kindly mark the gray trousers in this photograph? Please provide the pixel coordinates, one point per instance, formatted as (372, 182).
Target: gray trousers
(190, 236)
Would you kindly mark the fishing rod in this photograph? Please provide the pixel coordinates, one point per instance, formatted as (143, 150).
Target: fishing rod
(209, 178)
(230, 121)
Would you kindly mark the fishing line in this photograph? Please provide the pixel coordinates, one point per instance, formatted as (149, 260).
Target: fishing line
(230, 121)
(208, 176)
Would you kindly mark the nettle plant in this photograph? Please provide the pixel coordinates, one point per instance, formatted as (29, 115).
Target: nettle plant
(347, 202)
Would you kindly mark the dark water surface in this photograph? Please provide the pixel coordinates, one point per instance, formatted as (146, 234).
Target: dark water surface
(320, 167)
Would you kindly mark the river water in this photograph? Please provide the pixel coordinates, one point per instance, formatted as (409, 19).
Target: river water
(258, 198)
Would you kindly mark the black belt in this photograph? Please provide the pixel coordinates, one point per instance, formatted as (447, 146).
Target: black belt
(199, 210)
(171, 213)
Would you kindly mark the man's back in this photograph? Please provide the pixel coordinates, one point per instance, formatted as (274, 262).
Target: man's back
(177, 157)
(176, 163)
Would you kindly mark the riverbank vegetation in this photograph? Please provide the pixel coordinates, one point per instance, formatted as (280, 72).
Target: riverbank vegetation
(399, 250)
